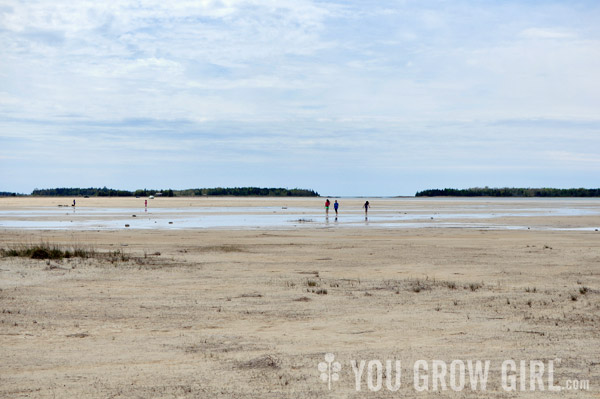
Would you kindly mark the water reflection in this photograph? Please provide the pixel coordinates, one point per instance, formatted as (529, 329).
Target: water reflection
(467, 216)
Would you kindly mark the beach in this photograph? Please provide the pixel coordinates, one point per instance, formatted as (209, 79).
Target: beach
(250, 310)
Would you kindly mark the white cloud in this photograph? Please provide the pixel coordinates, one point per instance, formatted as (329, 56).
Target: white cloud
(581, 159)
(350, 81)
(540, 33)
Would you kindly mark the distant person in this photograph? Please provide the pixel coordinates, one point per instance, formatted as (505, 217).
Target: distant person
(73, 203)
(327, 203)
(335, 208)
(366, 206)
(146, 205)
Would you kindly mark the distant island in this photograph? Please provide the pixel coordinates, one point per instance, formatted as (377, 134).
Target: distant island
(510, 192)
(222, 191)
(300, 192)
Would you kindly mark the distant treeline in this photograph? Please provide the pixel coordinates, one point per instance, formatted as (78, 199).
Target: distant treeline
(76, 192)
(250, 191)
(7, 194)
(511, 192)
(235, 191)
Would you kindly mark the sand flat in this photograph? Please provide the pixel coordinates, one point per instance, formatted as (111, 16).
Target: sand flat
(236, 313)
(292, 213)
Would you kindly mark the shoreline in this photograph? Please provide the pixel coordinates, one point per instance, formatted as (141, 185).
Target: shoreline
(291, 213)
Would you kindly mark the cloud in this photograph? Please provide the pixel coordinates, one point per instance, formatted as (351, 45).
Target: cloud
(391, 85)
(577, 159)
(540, 33)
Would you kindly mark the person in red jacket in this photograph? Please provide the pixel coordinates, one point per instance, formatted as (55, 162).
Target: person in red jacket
(327, 203)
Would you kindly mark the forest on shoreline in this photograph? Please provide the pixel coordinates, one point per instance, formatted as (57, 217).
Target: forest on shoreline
(510, 192)
(299, 192)
(217, 191)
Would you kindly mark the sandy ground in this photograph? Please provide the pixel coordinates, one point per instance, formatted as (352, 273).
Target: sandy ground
(250, 314)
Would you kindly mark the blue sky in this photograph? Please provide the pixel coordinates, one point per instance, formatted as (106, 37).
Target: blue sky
(347, 98)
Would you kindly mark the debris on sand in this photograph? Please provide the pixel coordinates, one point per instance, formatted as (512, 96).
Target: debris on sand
(54, 267)
(303, 299)
(252, 295)
(78, 335)
(262, 362)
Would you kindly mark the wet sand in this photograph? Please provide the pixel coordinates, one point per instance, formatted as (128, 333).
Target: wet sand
(237, 313)
(293, 213)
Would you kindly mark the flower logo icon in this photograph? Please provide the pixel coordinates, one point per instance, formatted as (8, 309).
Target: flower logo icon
(329, 369)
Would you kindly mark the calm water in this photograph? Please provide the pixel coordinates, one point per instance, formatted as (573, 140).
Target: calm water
(449, 213)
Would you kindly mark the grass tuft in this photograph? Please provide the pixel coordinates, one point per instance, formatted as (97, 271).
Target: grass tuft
(475, 286)
(573, 297)
(47, 251)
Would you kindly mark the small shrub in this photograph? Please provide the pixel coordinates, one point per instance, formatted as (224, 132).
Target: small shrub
(418, 286)
(583, 290)
(475, 286)
(118, 255)
(311, 283)
(43, 253)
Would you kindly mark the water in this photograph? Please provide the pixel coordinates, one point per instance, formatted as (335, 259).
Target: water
(388, 213)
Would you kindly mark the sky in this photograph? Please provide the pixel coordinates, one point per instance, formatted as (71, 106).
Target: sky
(364, 98)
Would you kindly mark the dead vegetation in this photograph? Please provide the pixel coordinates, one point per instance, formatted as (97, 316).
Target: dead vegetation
(262, 362)
(46, 250)
(61, 253)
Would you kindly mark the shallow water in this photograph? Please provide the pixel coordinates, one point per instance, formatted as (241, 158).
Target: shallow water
(426, 213)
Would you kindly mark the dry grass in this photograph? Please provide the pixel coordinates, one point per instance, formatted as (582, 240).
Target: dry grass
(46, 250)
(262, 362)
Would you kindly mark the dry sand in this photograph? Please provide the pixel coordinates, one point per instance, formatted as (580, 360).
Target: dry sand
(236, 313)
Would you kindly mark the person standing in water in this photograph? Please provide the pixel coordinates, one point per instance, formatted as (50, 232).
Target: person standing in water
(366, 206)
(327, 203)
(335, 208)
(145, 205)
